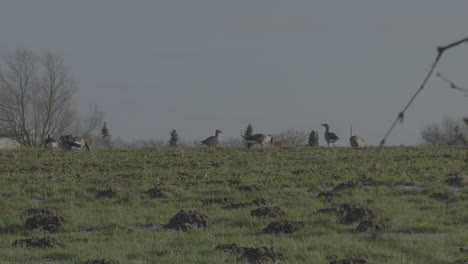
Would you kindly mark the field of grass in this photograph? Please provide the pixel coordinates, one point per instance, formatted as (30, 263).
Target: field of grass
(396, 183)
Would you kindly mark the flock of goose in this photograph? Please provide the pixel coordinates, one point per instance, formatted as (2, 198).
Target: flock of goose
(261, 139)
(68, 141)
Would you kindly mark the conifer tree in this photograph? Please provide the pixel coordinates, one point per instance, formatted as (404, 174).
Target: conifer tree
(174, 140)
(106, 137)
(313, 139)
(248, 132)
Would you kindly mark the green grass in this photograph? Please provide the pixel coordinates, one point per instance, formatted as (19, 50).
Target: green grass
(423, 229)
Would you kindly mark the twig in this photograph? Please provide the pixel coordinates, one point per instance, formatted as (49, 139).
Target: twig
(440, 51)
(452, 85)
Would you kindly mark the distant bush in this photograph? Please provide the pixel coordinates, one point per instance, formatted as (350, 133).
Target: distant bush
(447, 132)
(292, 137)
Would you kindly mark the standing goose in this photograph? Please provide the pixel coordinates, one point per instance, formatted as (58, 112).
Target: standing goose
(50, 143)
(330, 137)
(355, 141)
(258, 139)
(212, 141)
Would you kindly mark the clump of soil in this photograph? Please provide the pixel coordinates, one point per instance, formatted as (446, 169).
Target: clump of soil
(283, 227)
(260, 255)
(49, 222)
(184, 221)
(457, 181)
(99, 261)
(274, 212)
(46, 242)
(444, 197)
(256, 202)
(329, 196)
(374, 224)
(232, 249)
(223, 201)
(349, 261)
(350, 185)
(298, 171)
(106, 194)
(36, 211)
(357, 214)
(160, 193)
(246, 188)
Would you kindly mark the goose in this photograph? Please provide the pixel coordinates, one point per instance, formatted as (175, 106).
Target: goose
(50, 143)
(212, 141)
(258, 139)
(355, 141)
(69, 141)
(330, 137)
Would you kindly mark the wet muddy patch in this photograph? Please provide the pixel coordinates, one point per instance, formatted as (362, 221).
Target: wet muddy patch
(273, 212)
(283, 227)
(461, 261)
(444, 197)
(45, 242)
(232, 249)
(184, 221)
(99, 261)
(458, 181)
(350, 185)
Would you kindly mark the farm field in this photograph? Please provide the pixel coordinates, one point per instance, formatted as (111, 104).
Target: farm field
(378, 205)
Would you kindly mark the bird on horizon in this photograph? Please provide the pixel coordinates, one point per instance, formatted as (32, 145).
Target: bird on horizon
(330, 137)
(212, 141)
(355, 141)
(258, 139)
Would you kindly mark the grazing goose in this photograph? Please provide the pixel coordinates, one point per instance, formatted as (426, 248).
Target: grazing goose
(355, 141)
(330, 137)
(50, 143)
(258, 139)
(212, 141)
(69, 141)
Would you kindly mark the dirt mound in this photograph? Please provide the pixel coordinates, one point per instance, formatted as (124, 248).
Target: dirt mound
(246, 188)
(457, 181)
(160, 193)
(46, 242)
(223, 201)
(329, 196)
(99, 261)
(184, 221)
(106, 194)
(349, 261)
(256, 202)
(444, 197)
(274, 212)
(357, 214)
(232, 249)
(260, 255)
(350, 185)
(374, 224)
(283, 227)
(36, 211)
(44, 222)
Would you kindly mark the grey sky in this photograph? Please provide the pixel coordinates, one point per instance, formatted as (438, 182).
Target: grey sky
(198, 66)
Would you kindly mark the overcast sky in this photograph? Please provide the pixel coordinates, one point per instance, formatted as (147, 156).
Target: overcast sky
(201, 65)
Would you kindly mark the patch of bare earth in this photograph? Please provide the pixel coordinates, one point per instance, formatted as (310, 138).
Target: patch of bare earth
(43, 219)
(232, 249)
(274, 212)
(46, 242)
(349, 261)
(184, 221)
(157, 192)
(261, 255)
(106, 194)
(329, 196)
(256, 202)
(444, 197)
(99, 261)
(350, 185)
(283, 227)
(458, 181)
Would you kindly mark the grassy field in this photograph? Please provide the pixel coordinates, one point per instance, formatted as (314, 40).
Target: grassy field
(395, 182)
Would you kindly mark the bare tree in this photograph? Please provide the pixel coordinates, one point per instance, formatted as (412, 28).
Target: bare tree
(292, 137)
(448, 132)
(35, 96)
(89, 125)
